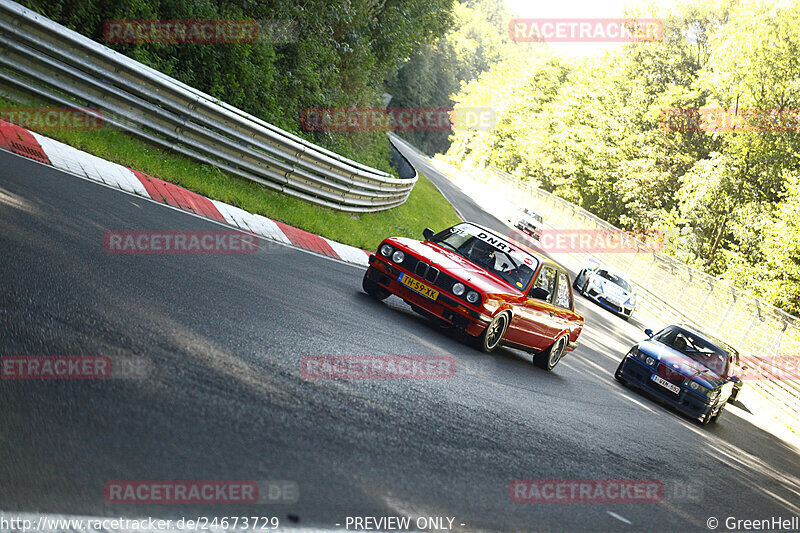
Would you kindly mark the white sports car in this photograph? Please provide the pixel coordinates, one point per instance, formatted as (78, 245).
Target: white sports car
(528, 221)
(607, 287)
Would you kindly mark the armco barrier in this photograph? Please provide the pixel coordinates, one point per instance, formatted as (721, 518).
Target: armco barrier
(41, 58)
(672, 292)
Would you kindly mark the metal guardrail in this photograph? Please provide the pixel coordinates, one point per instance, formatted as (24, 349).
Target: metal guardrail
(42, 58)
(675, 292)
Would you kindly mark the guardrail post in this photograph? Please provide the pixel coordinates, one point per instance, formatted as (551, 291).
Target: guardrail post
(703, 302)
(727, 311)
(752, 323)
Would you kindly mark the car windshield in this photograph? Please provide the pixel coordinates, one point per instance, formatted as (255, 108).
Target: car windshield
(490, 252)
(613, 278)
(535, 216)
(711, 355)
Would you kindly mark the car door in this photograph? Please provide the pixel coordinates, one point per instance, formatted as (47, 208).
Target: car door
(533, 325)
(564, 315)
(730, 371)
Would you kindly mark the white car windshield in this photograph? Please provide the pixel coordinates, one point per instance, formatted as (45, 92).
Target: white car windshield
(615, 279)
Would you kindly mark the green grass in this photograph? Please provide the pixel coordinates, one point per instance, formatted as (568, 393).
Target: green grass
(426, 207)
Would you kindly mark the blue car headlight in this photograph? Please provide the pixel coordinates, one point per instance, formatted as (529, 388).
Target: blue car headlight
(711, 394)
(635, 352)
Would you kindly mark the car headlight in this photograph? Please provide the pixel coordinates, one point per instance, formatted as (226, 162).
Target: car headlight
(398, 256)
(695, 386)
(473, 297)
(634, 352)
(386, 250)
(458, 289)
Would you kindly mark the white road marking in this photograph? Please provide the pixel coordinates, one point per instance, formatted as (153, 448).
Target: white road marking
(618, 517)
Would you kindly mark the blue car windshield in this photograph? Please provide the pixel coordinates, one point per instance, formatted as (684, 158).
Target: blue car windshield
(709, 354)
(490, 252)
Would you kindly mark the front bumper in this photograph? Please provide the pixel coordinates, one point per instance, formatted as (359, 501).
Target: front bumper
(446, 307)
(530, 230)
(598, 298)
(637, 373)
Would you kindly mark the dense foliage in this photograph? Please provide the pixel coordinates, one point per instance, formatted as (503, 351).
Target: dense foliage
(477, 40)
(593, 130)
(315, 53)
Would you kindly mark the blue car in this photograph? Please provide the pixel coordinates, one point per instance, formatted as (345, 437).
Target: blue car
(685, 368)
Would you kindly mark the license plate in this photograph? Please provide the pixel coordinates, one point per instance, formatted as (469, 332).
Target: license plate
(421, 288)
(666, 384)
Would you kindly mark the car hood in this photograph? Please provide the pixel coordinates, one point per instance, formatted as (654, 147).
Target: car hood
(612, 289)
(681, 363)
(456, 265)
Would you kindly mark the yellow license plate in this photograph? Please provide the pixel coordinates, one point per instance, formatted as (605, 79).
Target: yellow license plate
(421, 288)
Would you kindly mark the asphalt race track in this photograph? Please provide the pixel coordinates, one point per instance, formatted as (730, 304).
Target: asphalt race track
(218, 341)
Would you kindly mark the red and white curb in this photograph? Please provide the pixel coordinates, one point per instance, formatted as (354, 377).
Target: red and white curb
(64, 157)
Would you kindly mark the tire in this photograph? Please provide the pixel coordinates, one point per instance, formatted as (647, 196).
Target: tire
(585, 286)
(548, 359)
(373, 289)
(719, 412)
(734, 394)
(490, 339)
(575, 281)
(713, 415)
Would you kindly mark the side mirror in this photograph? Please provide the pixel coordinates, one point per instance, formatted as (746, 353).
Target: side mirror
(428, 234)
(648, 332)
(734, 379)
(539, 293)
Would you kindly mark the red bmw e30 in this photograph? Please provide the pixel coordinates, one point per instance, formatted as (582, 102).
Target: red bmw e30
(496, 291)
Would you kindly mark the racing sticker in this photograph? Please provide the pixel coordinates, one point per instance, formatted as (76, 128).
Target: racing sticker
(505, 247)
